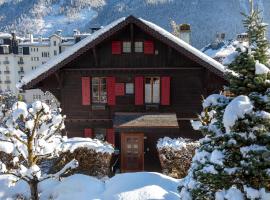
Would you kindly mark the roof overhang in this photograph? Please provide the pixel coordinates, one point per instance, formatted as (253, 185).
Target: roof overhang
(53, 65)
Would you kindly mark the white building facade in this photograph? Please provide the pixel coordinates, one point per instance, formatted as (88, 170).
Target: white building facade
(19, 56)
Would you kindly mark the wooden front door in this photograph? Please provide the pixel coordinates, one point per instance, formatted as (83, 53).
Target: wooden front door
(132, 152)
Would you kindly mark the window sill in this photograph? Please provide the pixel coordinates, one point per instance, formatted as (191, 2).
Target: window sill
(98, 107)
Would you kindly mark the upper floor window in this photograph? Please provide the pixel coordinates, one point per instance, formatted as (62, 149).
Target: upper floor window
(54, 43)
(129, 88)
(152, 90)
(1, 41)
(138, 47)
(6, 49)
(99, 90)
(126, 47)
(20, 50)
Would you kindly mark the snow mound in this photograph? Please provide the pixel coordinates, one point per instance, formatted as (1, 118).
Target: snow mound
(261, 68)
(236, 109)
(214, 100)
(176, 143)
(71, 144)
(139, 186)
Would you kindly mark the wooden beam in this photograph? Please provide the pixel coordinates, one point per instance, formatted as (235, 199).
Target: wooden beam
(95, 56)
(132, 37)
(132, 69)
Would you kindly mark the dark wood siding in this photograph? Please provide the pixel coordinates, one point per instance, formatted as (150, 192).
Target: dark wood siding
(189, 82)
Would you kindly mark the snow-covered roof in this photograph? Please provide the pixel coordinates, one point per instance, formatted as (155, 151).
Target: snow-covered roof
(185, 45)
(5, 35)
(61, 57)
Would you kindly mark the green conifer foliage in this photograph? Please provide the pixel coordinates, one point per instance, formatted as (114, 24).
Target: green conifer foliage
(233, 161)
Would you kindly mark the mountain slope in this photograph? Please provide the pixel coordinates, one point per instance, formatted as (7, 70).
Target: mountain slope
(206, 17)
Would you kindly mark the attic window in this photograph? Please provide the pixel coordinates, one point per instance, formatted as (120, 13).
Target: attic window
(127, 47)
(138, 47)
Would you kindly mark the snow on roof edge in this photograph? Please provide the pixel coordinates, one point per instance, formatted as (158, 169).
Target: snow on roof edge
(56, 60)
(185, 45)
(76, 47)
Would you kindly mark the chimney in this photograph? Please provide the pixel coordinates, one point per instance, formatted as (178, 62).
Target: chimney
(31, 37)
(220, 37)
(40, 39)
(185, 33)
(58, 32)
(242, 37)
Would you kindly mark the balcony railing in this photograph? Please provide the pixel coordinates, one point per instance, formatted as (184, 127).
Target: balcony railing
(21, 72)
(20, 62)
(7, 72)
(6, 62)
(7, 81)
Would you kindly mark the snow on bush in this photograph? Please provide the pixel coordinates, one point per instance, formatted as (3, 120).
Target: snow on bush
(30, 134)
(237, 109)
(261, 68)
(175, 155)
(94, 156)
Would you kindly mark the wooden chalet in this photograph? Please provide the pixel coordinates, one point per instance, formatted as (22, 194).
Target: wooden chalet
(130, 83)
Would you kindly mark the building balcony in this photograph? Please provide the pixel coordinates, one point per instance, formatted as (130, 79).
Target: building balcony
(6, 62)
(20, 62)
(7, 81)
(21, 72)
(7, 72)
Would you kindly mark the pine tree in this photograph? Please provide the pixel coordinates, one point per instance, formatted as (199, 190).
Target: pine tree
(233, 161)
(33, 132)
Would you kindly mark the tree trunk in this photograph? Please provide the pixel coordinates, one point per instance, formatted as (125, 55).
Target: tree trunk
(34, 190)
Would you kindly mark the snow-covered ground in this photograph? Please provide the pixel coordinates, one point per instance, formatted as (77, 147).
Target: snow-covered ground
(127, 186)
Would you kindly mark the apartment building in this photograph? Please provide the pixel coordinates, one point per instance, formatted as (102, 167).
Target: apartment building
(19, 56)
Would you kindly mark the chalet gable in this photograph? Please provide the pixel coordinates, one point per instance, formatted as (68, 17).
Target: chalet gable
(30, 80)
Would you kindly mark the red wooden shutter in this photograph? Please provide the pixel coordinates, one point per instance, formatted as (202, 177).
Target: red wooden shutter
(148, 47)
(110, 136)
(86, 91)
(120, 89)
(88, 132)
(139, 88)
(110, 91)
(165, 90)
(116, 47)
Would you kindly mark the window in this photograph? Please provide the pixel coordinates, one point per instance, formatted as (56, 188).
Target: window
(6, 49)
(100, 133)
(126, 47)
(138, 47)
(129, 88)
(55, 52)
(99, 92)
(152, 90)
(1, 41)
(20, 50)
(36, 97)
(54, 43)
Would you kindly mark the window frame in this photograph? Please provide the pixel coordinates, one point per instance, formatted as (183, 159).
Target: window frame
(141, 41)
(127, 91)
(100, 95)
(152, 89)
(123, 47)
